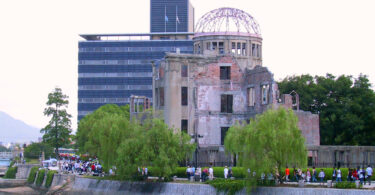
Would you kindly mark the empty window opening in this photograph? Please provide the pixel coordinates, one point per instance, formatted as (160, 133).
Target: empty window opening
(208, 46)
(233, 48)
(214, 45)
(184, 96)
(184, 126)
(224, 72)
(221, 47)
(251, 96)
(226, 103)
(184, 70)
(265, 90)
(244, 49)
(161, 92)
(224, 131)
(238, 48)
(253, 53)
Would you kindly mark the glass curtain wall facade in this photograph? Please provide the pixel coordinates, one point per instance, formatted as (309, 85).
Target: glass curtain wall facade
(170, 15)
(109, 72)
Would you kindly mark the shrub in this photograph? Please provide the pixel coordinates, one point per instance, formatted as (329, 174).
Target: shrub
(49, 178)
(11, 173)
(227, 186)
(40, 177)
(32, 175)
(345, 185)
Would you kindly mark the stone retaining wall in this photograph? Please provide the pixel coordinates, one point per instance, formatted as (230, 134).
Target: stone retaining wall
(23, 170)
(88, 186)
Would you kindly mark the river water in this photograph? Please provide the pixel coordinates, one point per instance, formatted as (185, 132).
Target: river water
(4, 162)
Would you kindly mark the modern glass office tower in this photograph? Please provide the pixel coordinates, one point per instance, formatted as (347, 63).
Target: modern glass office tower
(112, 67)
(110, 71)
(171, 16)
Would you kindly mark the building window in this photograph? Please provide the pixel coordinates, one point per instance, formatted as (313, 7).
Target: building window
(184, 126)
(224, 72)
(221, 47)
(184, 70)
(251, 96)
(184, 96)
(226, 103)
(224, 131)
(214, 45)
(208, 45)
(238, 48)
(161, 92)
(233, 48)
(258, 51)
(253, 53)
(265, 90)
(244, 49)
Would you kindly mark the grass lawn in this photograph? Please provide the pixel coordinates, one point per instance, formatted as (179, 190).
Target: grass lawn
(32, 161)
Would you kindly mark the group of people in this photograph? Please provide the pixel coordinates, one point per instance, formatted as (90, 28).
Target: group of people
(82, 167)
(311, 176)
(199, 174)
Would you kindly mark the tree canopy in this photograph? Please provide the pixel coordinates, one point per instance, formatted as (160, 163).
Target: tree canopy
(57, 131)
(109, 134)
(346, 106)
(34, 150)
(269, 142)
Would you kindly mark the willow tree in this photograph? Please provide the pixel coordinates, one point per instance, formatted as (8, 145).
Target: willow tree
(269, 142)
(57, 131)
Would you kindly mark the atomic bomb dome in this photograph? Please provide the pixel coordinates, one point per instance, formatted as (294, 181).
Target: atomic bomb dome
(229, 21)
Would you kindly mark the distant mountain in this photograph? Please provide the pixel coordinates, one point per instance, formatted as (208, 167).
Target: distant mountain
(13, 130)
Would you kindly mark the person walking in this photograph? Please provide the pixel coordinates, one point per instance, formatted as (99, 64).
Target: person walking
(361, 175)
(308, 175)
(188, 172)
(369, 174)
(225, 172)
(211, 173)
(321, 176)
(334, 174)
(338, 178)
(287, 173)
(314, 175)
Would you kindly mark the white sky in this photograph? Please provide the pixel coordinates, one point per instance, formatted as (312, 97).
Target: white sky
(39, 41)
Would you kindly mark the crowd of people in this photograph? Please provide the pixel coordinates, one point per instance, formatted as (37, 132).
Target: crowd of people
(82, 167)
(206, 173)
(359, 174)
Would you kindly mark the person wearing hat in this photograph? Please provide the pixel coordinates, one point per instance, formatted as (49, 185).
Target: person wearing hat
(226, 172)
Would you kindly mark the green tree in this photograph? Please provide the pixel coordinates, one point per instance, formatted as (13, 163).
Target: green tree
(87, 130)
(346, 106)
(34, 150)
(269, 142)
(4, 149)
(57, 131)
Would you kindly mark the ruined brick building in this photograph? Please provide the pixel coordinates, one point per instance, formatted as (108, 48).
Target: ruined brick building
(222, 83)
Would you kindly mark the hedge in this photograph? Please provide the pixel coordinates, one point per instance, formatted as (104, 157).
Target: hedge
(11, 173)
(346, 185)
(32, 175)
(227, 186)
(40, 177)
(49, 178)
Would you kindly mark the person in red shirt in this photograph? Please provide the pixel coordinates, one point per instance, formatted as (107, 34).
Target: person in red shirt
(287, 173)
(93, 168)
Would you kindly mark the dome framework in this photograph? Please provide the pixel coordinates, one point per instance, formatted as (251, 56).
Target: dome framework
(227, 20)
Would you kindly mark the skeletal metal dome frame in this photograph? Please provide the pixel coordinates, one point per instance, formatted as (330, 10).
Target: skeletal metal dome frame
(227, 20)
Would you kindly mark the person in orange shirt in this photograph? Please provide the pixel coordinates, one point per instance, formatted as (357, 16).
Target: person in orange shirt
(287, 173)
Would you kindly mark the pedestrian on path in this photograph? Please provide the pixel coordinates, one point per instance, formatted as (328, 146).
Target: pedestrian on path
(369, 174)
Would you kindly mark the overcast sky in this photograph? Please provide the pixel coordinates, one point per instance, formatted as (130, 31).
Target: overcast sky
(39, 41)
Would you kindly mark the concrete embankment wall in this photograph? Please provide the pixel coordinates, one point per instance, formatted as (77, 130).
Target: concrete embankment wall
(11, 183)
(88, 186)
(23, 171)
